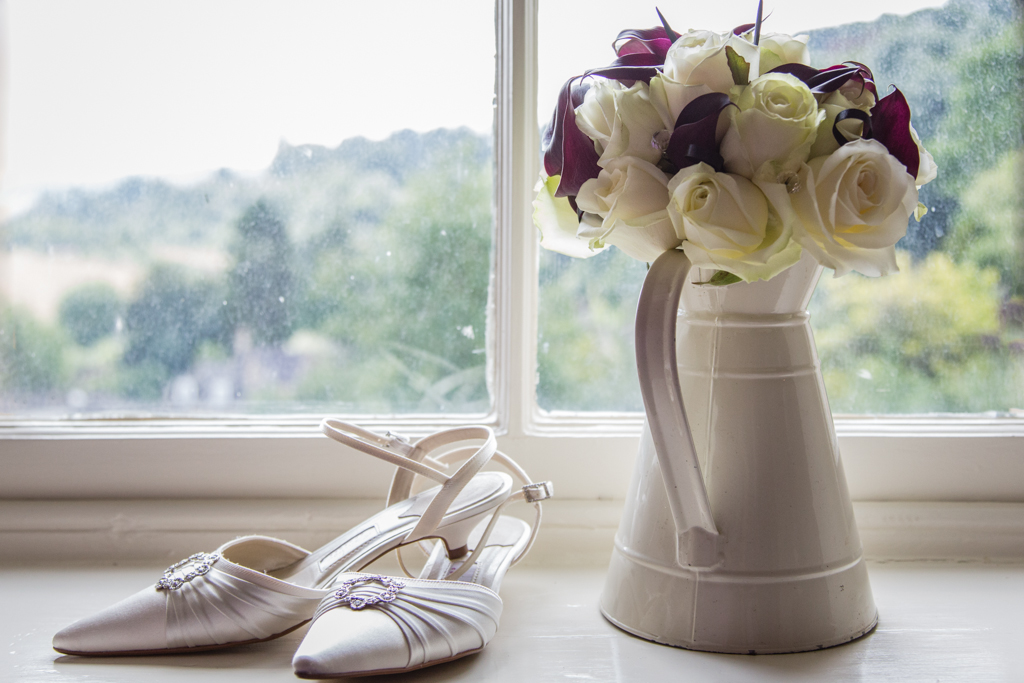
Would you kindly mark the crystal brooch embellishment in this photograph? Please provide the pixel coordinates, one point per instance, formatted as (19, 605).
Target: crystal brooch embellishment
(385, 593)
(181, 573)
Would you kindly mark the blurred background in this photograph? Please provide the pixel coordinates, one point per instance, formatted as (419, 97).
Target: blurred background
(253, 208)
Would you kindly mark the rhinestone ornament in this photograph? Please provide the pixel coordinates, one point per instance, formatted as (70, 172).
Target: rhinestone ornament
(388, 593)
(197, 564)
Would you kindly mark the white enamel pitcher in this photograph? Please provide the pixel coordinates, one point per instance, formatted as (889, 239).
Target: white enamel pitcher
(738, 533)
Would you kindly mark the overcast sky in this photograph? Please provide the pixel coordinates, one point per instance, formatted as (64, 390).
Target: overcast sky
(102, 89)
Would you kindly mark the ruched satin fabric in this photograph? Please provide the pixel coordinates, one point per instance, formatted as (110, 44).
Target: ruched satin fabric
(428, 621)
(229, 604)
(226, 606)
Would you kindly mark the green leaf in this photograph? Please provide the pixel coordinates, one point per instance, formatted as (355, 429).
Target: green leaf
(740, 67)
(722, 278)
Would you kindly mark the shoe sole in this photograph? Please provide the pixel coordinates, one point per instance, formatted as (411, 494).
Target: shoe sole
(382, 672)
(180, 650)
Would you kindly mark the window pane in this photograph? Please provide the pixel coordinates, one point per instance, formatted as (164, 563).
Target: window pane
(247, 207)
(946, 334)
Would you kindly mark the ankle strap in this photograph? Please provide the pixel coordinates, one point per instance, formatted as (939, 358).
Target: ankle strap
(531, 492)
(409, 457)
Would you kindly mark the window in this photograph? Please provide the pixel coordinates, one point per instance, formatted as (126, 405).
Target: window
(292, 214)
(587, 452)
(946, 335)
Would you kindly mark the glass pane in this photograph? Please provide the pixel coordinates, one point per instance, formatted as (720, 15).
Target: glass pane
(246, 207)
(946, 334)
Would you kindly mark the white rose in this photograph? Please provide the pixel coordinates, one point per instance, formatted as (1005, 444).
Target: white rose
(853, 207)
(730, 223)
(852, 95)
(696, 64)
(625, 205)
(621, 121)
(596, 116)
(776, 122)
(558, 222)
(778, 49)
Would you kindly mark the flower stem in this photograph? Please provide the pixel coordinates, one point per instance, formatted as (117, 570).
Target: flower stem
(757, 24)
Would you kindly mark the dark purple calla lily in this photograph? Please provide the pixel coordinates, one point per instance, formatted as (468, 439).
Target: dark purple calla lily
(827, 81)
(568, 152)
(643, 41)
(801, 71)
(694, 139)
(890, 125)
(889, 122)
(861, 116)
(866, 77)
(638, 66)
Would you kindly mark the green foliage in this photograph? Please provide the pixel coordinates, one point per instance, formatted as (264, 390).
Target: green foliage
(142, 381)
(31, 357)
(315, 186)
(407, 300)
(989, 231)
(912, 342)
(132, 218)
(90, 312)
(585, 351)
(738, 66)
(260, 283)
(165, 324)
(985, 116)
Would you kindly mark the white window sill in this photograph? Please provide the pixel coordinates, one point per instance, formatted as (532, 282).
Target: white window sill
(574, 533)
(947, 622)
(588, 457)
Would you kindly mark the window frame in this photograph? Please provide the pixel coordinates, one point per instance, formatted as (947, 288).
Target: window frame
(947, 458)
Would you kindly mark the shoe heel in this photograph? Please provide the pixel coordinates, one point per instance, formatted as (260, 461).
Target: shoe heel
(456, 536)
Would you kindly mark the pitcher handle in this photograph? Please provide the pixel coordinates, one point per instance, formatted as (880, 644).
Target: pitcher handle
(656, 317)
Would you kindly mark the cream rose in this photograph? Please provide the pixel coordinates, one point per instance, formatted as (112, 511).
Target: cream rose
(621, 121)
(596, 116)
(696, 64)
(730, 223)
(852, 207)
(625, 205)
(776, 122)
(778, 49)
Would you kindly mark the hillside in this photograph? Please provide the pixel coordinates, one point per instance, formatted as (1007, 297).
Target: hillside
(313, 186)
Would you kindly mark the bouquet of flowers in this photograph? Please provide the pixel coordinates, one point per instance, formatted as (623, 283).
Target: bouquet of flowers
(732, 148)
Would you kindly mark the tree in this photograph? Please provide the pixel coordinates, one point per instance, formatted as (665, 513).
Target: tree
(989, 231)
(406, 299)
(31, 356)
(924, 340)
(90, 313)
(170, 317)
(260, 283)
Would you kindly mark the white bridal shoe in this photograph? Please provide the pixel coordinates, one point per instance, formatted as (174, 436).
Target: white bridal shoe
(257, 588)
(372, 624)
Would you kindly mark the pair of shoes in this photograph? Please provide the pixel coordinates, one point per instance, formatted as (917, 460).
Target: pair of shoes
(257, 588)
(372, 624)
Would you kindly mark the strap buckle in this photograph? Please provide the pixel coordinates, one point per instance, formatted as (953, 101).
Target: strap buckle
(542, 490)
(397, 442)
